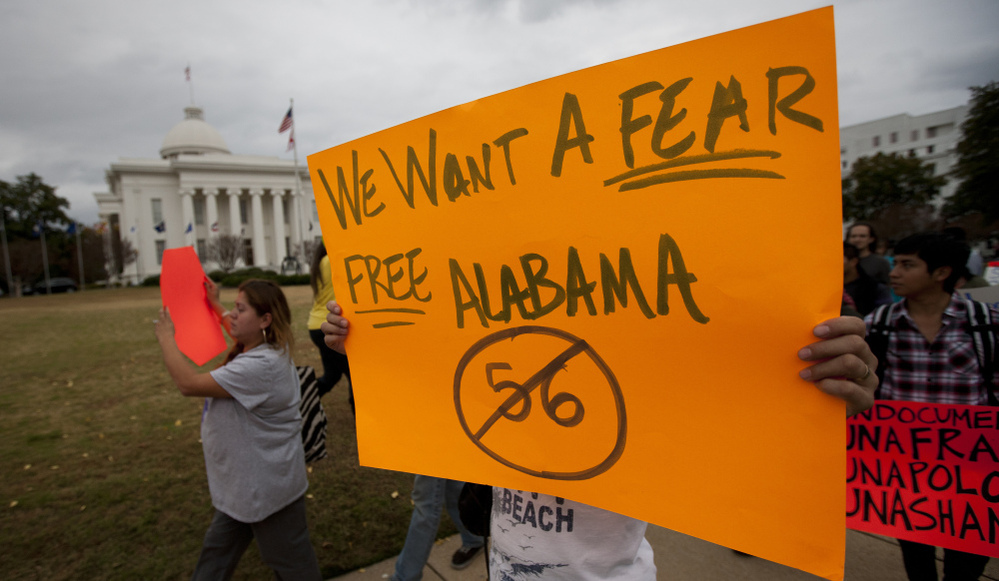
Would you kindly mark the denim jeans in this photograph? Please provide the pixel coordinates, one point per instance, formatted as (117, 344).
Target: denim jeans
(430, 495)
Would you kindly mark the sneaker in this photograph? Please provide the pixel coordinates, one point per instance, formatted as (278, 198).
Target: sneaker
(463, 557)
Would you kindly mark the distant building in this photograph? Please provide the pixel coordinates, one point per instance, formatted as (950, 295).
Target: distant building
(932, 138)
(198, 189)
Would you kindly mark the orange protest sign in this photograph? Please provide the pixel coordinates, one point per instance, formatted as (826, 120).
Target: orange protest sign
(182, 288)
(595, 286)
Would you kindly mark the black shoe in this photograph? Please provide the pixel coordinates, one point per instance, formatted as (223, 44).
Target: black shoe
(463, 557)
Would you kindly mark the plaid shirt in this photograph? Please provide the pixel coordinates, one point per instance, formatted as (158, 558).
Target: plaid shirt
(944, 371)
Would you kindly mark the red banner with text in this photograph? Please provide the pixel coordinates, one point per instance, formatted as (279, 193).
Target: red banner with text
(927, 473)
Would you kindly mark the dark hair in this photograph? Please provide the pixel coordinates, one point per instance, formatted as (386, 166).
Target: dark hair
(937, 250)
(314, 274)
(956, 232)
(850, 251)
(873, 246)
(266, 297)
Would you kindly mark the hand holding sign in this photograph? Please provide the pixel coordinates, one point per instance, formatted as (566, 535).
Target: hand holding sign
(182, 288)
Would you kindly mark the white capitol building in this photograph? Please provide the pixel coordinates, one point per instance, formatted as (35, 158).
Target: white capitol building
(197, 190)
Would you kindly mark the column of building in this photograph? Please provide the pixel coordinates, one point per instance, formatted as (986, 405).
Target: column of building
(262, 252)
(277, 212)
(212, 210)
(235, 226)
(187, 208)
(235, 223)
(257, 211)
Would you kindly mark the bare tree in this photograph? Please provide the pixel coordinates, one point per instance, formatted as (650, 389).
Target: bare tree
(307, 249)
(126, 254)
(226, 250)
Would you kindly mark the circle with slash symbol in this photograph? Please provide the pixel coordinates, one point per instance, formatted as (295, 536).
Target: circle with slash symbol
(542, 401)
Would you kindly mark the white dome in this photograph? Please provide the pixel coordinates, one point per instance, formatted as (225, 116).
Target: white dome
(193, 135)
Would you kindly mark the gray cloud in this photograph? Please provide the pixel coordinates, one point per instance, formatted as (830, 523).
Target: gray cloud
(87, 83)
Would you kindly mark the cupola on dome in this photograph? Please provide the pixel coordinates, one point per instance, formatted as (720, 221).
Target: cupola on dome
(193, 136)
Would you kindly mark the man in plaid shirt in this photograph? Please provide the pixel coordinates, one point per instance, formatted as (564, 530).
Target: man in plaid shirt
(931, 358)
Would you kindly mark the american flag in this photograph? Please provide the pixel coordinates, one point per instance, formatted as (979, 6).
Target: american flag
(286, 123)
(187, 72)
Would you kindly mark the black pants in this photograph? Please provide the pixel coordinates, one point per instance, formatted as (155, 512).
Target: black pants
(283, 540)
(921, 563)
(334, 366)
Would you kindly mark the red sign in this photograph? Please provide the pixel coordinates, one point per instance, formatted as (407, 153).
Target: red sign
(927, 473)
(198, 333)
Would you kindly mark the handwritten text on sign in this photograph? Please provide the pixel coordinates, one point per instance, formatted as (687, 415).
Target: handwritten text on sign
(927, 473)
(397, 278)
(594, 286)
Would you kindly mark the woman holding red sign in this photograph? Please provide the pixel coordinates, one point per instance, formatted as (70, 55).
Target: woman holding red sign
(251, 434)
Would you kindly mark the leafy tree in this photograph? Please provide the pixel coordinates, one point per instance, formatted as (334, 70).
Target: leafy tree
(63, 256)
(26, 261)
(28, 202)
(978, 157)
(65, 250)
(886, 184)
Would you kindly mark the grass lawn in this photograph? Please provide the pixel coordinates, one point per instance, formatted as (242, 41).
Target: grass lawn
(103, 474)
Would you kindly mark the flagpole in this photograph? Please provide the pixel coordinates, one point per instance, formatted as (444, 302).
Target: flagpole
(79, 256)
(6, 253)
(190, 83)
(298, 189)
(109, 262)
(138, 252)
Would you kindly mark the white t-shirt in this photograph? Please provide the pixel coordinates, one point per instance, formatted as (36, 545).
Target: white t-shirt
(538, 537)
(253, 441)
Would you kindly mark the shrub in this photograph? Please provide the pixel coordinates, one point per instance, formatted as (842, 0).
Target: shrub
(292, 279)
(236, 277)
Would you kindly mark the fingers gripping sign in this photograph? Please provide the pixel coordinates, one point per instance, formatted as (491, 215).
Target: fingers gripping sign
(335, 328)
(844, 365)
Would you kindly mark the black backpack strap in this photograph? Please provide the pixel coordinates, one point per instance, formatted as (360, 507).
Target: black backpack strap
(984, 332)
(877, 339)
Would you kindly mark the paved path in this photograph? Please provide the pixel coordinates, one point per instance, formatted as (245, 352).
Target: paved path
(683, 558)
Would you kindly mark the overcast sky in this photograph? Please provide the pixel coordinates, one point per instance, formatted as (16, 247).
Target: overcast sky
(85, 83)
